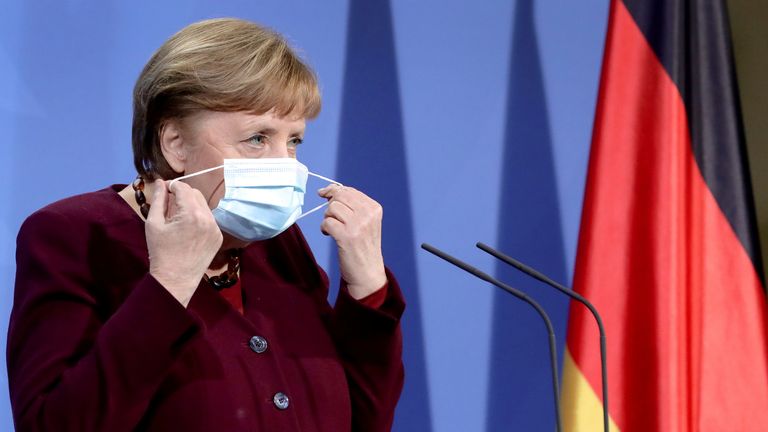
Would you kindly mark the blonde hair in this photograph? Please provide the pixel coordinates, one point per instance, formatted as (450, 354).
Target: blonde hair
(221, 64)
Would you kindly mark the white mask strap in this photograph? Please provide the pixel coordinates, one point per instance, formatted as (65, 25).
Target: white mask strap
(313, 210)
(323, 204)
(324, 178)
(207, 170)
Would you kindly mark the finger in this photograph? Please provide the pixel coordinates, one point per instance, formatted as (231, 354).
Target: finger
(186, 194)
(181, 201)
(177, 187)
(200, 199)
(330, 190)
(340, 211)
(331, 227)
(350, 197)
(182, 195)
(159, 204)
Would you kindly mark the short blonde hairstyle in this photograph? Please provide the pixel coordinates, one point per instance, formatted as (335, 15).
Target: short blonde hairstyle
(221, 64)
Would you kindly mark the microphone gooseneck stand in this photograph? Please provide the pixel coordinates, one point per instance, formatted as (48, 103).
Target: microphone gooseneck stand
(530, 271)
(522, 296)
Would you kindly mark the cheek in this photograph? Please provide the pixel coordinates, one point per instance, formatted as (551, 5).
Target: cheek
(216, 195)
(215, 188)
(210, 185)
(203, 156)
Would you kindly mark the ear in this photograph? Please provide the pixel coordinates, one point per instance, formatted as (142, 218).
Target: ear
(172, 145)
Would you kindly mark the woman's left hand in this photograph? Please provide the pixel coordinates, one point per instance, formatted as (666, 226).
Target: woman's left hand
(354, 220)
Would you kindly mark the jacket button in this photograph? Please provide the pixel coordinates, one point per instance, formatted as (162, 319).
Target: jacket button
(281, 400)
(258, 344)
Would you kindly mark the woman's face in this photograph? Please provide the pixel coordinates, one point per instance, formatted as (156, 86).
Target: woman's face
(203, 140)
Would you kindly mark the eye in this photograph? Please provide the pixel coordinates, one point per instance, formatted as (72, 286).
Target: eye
(294, 142)
(257, 140)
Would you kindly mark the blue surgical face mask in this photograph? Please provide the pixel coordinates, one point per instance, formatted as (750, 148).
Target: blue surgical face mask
(263, 197)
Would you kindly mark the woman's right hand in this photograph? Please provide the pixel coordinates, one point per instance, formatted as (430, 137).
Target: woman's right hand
(182, 238)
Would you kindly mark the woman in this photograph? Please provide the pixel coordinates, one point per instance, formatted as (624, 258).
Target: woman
(196, 304)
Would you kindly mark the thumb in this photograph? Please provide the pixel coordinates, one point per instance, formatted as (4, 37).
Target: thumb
(328, 191)
(159, 205)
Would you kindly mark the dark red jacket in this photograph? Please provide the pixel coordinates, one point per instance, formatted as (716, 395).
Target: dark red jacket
(96, 343)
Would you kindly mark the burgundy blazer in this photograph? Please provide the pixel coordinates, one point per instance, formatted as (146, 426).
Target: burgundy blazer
(97, 344)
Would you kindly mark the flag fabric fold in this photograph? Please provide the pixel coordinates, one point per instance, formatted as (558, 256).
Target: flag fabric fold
(668, 248)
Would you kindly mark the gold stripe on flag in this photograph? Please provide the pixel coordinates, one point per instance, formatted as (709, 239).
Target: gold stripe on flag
(582, 409)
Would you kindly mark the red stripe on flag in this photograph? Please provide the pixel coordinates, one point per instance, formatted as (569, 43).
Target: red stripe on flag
(682, 304)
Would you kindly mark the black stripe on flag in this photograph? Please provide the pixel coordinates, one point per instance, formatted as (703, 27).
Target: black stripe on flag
(692, 40)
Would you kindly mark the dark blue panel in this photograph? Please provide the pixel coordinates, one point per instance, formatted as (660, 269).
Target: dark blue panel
(372, 158)
(520, 393)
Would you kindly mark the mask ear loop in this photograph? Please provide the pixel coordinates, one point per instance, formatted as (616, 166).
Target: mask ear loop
(307, 213)
(207, 170)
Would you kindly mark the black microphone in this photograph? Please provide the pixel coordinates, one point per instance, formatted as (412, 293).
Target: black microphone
(574, 295)
(522, 296)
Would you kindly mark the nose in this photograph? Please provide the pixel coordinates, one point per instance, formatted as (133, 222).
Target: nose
(278, 149)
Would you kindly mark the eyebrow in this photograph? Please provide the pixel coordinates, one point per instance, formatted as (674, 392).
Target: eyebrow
(272, 131)
(265, 130)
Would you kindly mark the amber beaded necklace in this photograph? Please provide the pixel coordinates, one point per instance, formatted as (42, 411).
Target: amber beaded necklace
(227, 278)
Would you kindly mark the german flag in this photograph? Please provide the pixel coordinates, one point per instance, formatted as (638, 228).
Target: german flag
(668, 248)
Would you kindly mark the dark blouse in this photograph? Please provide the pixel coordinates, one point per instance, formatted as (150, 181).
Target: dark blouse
(96, 343)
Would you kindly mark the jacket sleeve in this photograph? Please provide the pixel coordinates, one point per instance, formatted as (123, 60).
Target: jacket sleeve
(369, 342)
(70, 367)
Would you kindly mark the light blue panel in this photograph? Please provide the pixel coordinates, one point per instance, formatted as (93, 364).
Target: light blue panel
(571, 36)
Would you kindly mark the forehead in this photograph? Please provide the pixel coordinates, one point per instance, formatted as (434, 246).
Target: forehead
(241, 121)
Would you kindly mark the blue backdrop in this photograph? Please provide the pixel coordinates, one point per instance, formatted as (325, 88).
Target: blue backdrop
(467, 120)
